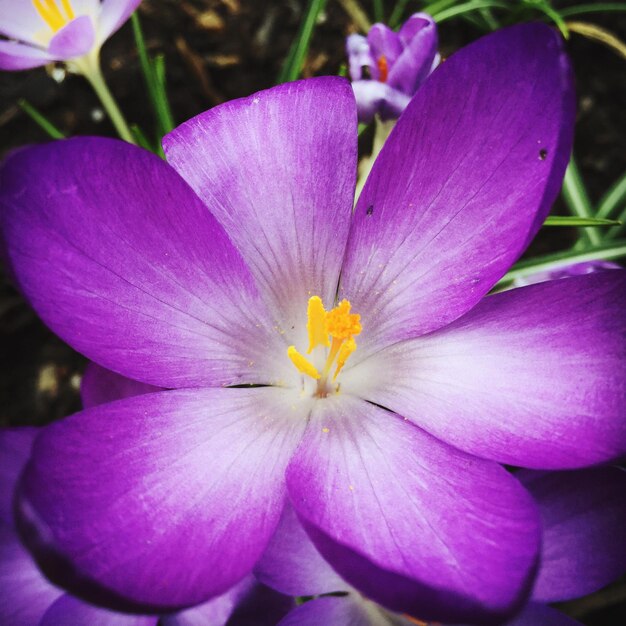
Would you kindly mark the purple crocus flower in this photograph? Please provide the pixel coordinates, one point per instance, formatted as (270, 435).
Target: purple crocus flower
(216, 276)
(396, 64)
(43, 31)
(583, 516)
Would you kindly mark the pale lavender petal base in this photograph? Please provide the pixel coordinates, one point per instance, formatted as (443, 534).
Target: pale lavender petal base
(382, 501)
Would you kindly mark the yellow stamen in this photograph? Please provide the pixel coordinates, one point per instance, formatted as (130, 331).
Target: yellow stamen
(316, 324)
(68, 9)
(347, 348)
(334, 329)
(302, 363)
(51, 13)
(341, 323)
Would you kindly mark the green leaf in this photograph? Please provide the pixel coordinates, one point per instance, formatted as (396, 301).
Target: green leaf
(546, 8)
(596, 7)
(379, 11)
(614, 198)
(397, 13)
(567, 220)
(604, 252)
(45, 124)
(293, 63)
(154, 76)
(577, 200)
(141, 139)
(467, 7)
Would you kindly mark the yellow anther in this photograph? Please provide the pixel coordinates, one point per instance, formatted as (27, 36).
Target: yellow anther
(347, 348)
(341, 323)
(383, 68)
(52, 15)
(302, 363)
(316, 324)
(334, 329)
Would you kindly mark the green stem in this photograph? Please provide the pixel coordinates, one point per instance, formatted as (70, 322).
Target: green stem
(89, 67)
(382, 130)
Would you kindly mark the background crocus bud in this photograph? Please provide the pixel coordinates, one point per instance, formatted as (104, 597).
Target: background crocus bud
(387, 68)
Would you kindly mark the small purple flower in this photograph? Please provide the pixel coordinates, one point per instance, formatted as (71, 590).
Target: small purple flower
(583, 515)
(43, 31)
(344, 361)
(396, 64)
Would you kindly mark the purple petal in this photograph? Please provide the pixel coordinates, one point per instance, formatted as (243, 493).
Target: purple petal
(246, 604)
(541, 615)
(383, 42)
(411, 522)
(373, 97)
(416, 61)
(100, 386)
(15, 447)
(342, 611)
(113, 14)
(165, 499)
(584, 530)
(18, 56)
(70, 611)
(122, 261)
(566, 271)
(291, 563)
(19, 20)
(74, 39)
(25, 594)
(531, 377)
(358, 52)
(278, 170)
(461, 185)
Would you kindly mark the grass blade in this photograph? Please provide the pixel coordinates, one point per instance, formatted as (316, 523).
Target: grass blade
(154, 76)
(45, 124)
(613, 199)
(577, 200)
(596, 7)
(293, 63)
(467, 7)
(568, 220)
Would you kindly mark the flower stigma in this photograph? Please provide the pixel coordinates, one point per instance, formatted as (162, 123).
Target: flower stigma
(55, 16)
(334, 331)
(383, 68)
